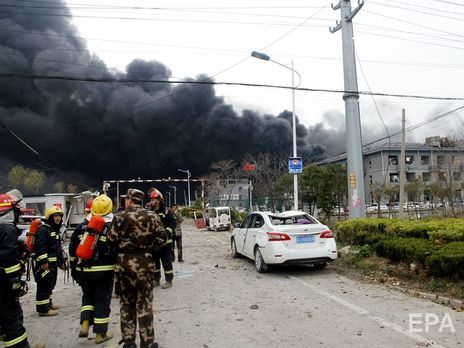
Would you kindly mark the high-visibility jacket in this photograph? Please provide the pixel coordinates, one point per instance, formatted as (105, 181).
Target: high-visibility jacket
(10, 260)
(47, 245)
(103, 259)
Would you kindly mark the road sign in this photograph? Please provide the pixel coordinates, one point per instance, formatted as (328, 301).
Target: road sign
(295, 165)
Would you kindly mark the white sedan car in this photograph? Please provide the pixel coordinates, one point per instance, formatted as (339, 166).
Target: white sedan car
(292, 237)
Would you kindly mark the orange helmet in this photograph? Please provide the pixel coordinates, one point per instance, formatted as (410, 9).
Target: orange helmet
(88, 205)
(155, 194)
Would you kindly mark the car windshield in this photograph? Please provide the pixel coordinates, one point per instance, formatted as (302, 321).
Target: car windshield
(301, 219)
(223, 211)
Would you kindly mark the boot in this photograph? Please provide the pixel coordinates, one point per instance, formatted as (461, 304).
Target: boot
(55, 307)
(50, 313)
(84, 329)
(156, 283)
(154, 345)
(167, 285)
(103, 337)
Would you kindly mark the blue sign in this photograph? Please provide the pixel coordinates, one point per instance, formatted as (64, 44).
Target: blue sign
(295, 165)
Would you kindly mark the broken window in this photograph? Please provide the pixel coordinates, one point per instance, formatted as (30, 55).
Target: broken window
(409, 160)
(426, 177)
(425, 160)
(394, 177)
(393, 160)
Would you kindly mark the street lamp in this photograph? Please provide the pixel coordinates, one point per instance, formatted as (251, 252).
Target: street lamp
(169, 198)
(264, 56)
(175, 193)
(188, 182)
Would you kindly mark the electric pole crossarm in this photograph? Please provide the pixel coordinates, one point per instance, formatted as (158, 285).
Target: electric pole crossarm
(336, 28)
(336, 7)
(355, 11)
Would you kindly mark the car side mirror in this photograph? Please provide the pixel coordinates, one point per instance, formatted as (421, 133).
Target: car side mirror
(237, 225)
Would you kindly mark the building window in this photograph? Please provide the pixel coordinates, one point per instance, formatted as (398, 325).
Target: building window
(370, 162)
(457, 176)
(440, 160)
(393, 160)
(425, 160)
(441, 176)
(410, 177)
(426, 177)
(409, 160)
(394, 177)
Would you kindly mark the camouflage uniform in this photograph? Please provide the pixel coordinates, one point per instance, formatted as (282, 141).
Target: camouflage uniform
(134, 233)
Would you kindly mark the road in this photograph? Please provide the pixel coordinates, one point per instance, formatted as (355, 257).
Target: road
(217, 301)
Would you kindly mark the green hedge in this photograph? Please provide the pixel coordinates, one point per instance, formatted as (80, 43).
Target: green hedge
(438, 230)
(437, 245)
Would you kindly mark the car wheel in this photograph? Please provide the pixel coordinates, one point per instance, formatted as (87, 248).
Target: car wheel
(233, 249)
(215, 229)
(259, 262)
(320, 266)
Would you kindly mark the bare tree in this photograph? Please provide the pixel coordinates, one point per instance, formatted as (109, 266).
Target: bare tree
(16, 176)
(268, 168)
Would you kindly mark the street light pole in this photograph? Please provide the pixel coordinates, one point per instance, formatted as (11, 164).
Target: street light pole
(263, 56)
(175, 194)
(169, 199)
(188, 182)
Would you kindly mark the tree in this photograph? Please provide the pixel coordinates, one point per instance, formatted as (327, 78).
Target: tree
(391, 192)
(414, 189)
(16, 176)
(59, 186)
(34, 180)
(71, 188)
(283, 189)
(377, 190)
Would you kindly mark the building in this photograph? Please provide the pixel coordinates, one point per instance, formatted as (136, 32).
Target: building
(234, 193)
(437, 160)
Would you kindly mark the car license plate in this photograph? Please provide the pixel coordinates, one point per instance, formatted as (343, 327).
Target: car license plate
(305, 239)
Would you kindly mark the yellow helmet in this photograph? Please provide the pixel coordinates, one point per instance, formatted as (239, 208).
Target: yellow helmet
(53, 210)
(102, 205)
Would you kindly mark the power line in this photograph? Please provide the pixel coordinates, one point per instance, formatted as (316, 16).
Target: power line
(416, 11)
(426, 7)
(415, 24)
(449, 2)
(203, 82)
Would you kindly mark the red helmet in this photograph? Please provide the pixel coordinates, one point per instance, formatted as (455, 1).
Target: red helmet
(155, 194)
(7, 202)
(88, 205)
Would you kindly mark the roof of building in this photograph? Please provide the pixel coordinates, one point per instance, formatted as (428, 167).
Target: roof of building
(391, 147)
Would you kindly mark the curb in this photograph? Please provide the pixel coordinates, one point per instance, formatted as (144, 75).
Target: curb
(455, 304)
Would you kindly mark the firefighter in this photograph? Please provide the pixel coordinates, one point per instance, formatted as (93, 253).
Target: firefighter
(134, 233)
(11, 268)
(177, 238)
(46, 256)
(163, 255)
(95, 275)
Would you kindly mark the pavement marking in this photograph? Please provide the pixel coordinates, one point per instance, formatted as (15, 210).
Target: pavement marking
(362, 311)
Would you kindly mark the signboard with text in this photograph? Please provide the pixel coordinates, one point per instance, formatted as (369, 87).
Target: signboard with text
(295, 165)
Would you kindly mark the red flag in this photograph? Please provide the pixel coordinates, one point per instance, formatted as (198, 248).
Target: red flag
(249, 167)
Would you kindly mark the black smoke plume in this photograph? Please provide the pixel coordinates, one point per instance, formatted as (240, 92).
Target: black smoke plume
(117, 130)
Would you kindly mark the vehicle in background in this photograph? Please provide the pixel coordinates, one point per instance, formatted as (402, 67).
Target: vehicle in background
(72, 205)
(217, 218)
(23, 225)
(291, 237)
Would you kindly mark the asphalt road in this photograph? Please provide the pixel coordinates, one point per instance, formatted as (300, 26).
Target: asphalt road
(217, 301)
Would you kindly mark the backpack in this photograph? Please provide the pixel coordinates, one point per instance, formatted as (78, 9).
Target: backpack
(33, 228)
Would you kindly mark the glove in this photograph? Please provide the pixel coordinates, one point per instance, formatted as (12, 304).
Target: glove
(18, 287)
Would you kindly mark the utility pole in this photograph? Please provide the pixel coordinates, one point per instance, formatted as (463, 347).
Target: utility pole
(402, 163)
(356, 200)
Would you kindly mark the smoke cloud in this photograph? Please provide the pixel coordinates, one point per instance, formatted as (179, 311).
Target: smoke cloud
(121, 130)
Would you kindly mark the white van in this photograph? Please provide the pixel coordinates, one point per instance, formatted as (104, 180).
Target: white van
(218, 218)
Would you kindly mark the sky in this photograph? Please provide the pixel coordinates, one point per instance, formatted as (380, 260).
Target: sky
(403, 47)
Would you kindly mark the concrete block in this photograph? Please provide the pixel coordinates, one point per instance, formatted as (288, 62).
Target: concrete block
(427, 296)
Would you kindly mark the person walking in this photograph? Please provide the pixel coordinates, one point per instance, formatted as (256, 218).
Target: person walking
(95, 274)
(47, 253)
(164, 254)
(134, 233)
(177, 238)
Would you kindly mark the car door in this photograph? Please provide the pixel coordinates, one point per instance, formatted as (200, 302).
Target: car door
(252, 233)
(240, 233)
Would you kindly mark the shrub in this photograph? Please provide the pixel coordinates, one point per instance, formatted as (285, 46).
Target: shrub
(405, 249)
(347, 230)
(447, 261)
